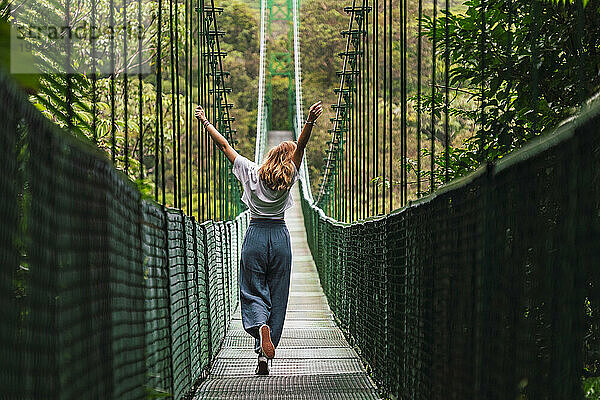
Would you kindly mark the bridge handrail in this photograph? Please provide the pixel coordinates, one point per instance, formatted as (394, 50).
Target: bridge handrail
(435, 293)
(104, 294)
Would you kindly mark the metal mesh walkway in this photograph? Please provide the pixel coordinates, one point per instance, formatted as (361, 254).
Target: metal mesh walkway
(313, 360)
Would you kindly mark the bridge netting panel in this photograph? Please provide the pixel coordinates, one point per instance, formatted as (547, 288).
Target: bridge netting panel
(489, 288)
(103, 294)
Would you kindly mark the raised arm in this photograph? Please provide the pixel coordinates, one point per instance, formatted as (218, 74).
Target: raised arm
(313, 113)
(219, 139)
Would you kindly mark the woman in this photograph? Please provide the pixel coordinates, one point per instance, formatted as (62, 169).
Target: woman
(266, 258)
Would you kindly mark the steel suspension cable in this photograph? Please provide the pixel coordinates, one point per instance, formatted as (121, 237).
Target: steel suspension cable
(202, 98)
(140, 96)
(188, 121)
(367, 110)
(125, 93)
(363, 97)
(432, 128)
(482, 50)
(94, 76)
(175, 139)
(158, 106)
(260, 121)
(447, 93)
(376, 146)
(404, 103)
(113, 125)
(391, 105)
(69, 75)
(177, 108)
(299, 117)
(403, 75)
(419, 72)
(385, 99)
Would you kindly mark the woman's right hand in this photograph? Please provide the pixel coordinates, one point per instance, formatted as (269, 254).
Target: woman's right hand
(199, 113)
(315, 111)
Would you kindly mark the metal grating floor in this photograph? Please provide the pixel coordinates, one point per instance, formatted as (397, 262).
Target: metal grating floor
(305, 387)
(292, 343)
(287, 352)
(288, 366)
(298, 333)
(313, 359)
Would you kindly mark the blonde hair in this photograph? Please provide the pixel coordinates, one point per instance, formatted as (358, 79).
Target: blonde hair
(277, 171)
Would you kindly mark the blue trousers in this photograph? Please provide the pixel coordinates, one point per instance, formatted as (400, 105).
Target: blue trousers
(265, 266)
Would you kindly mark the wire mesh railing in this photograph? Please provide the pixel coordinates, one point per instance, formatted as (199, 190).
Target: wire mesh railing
(487, 288)
(103, 294)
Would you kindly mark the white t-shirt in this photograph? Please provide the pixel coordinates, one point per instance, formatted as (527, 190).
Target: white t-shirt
(262, 201)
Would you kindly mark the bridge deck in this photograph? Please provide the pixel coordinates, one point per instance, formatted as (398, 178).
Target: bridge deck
(313, 360)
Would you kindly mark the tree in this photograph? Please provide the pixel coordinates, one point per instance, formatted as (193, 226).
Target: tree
(529, 68)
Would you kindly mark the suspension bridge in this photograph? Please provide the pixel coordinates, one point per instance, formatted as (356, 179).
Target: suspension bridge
(484, 287)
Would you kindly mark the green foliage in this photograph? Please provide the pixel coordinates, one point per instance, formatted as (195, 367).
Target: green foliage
(154, 393)
(279, 111)
(536, 68)
(563, 2)
(321, 40)
(241, 24)
(146, 188)
(591, 388)
(592, 342)
(320, 24)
